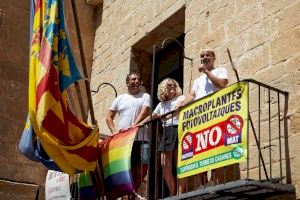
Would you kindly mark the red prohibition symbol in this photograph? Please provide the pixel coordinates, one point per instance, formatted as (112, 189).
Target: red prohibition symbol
(234, 125)
(187, 142)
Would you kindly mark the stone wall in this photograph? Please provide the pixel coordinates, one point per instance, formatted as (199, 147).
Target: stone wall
(262, 35)
(19, 177)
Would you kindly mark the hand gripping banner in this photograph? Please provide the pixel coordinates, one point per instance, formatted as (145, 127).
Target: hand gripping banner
(212, 131)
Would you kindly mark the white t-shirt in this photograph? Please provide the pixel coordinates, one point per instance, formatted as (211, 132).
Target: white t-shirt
(168, 106)
(203, 86)
(129, 107)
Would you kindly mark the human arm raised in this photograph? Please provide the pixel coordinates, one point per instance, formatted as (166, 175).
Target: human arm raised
(216, 81)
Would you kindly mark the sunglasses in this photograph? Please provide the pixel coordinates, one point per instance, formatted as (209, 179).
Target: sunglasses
(171, 85)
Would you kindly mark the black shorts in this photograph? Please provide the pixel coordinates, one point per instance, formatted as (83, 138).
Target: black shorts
(169, 139)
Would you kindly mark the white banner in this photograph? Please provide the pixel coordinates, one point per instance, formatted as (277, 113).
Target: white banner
(57, 186)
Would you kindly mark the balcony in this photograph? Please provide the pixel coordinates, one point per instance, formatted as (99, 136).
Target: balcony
(265, 173)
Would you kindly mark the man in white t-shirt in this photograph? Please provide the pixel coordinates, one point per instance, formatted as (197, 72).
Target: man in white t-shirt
(212, 80)
(132, 108)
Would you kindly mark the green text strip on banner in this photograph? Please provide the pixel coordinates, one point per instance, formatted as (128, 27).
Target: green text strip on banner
(212, 132)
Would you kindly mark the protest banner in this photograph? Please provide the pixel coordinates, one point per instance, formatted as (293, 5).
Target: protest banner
(212, 132)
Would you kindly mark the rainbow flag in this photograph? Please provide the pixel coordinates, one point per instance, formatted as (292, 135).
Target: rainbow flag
(71, 143)
(86, 187)
(116, 164)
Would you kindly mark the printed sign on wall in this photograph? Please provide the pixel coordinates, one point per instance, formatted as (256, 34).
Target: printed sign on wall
(57, 186)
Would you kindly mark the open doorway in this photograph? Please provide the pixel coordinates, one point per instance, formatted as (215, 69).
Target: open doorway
(160, 52)
(168, 60)
(169, 64)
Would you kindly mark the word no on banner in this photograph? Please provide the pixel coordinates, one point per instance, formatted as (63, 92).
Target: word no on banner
(212, 131)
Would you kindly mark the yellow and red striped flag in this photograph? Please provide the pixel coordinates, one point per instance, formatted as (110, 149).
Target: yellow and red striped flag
(71, 143)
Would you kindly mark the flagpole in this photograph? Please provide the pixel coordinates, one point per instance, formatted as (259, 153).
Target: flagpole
(97, 174)
(250, 118)
(82, 57)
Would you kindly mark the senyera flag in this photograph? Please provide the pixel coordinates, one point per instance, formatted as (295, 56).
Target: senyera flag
(71, 143)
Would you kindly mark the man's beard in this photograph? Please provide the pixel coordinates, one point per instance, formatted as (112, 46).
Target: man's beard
(135, 88)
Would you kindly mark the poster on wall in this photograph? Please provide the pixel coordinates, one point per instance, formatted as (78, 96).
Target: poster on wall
(212, 132)
(57, 186)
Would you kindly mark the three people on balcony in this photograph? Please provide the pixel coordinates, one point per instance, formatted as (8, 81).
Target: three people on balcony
(134, 106)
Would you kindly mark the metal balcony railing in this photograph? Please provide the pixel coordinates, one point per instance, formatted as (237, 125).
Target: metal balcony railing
(265, 173)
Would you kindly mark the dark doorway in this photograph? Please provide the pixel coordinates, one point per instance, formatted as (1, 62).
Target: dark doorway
(169, 64)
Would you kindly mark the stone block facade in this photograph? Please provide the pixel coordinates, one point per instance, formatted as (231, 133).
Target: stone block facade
(19, 177)
(262, 35)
